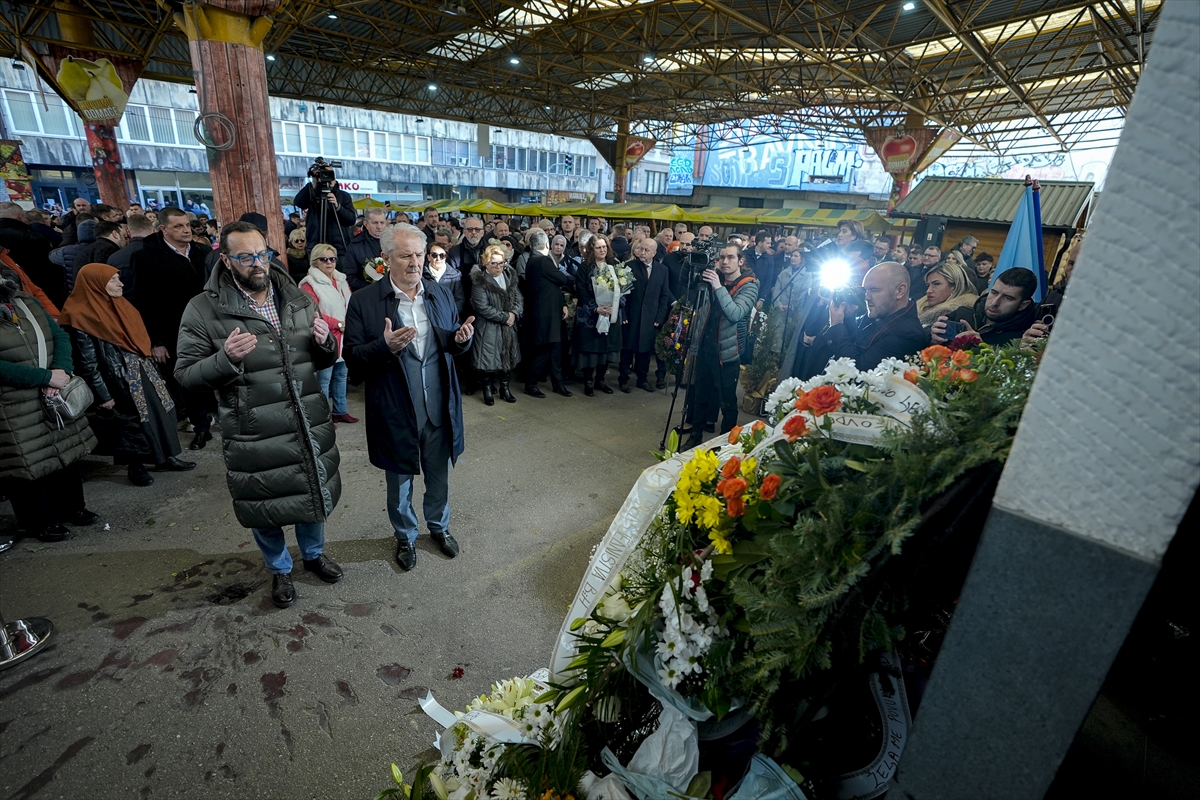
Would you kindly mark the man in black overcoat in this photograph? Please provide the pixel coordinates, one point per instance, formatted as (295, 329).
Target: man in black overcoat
(646, 310)
(545, 310)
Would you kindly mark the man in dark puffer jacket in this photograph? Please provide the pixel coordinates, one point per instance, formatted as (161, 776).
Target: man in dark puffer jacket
(280, 453)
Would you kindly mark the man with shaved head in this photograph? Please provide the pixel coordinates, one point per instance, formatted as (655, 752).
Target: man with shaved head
(890, 328)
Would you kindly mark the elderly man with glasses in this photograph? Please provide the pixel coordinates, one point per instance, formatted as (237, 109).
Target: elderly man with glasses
(258, 340)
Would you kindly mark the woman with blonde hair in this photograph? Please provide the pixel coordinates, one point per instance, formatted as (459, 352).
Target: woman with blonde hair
(297, 257)
(328, 287)
(498, 306)
(947, 288)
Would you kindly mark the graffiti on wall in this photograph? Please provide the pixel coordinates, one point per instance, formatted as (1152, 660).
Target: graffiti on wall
(797, 164)
(1085, 165)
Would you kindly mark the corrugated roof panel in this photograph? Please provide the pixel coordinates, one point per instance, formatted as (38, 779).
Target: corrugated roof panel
(994, 200)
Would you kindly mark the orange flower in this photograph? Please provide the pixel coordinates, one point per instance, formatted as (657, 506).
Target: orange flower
(944, 369)
(795, 427)
(731, 467)
(935, 353)
(732, 488)
(910, 375)
(735, 434)
(821, 400)
(758, 425)
(960, 358)
(770, 486)
(735, 507)
(966, 375)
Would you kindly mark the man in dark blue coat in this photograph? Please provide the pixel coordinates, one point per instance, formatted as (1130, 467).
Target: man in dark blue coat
(646, 310)
(401, 337)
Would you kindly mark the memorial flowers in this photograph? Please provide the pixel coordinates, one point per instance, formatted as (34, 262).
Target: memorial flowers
(374, 269)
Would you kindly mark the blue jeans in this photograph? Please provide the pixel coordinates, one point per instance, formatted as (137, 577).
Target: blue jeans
(333, 385)
(435, 466)
(310, 536)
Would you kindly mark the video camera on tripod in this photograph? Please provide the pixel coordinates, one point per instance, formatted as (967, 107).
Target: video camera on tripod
(703, 254)
(321, 175)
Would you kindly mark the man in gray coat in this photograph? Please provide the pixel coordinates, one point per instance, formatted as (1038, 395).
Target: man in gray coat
(280, 452)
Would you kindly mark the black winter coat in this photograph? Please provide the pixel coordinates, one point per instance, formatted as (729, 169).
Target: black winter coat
(646, 307)
(166, 283)
(281, 456)
(869, 341)
(32, 254)
(587, 316)
(495, 348)
(452, 280)
(98, 252)
(544, 300)
(463, 257)
(122, 260)
(338, 221)
(996, 334)
(363, 247)
(393, 441)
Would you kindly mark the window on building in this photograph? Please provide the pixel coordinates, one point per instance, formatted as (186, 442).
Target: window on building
(21, 113)
(655, 182)
(362, 144)
(312, 140)
(346, 142)
(422, 149)
(329, 142)
(162, 125)
(750, 202)
(291, 138)
(276, 134)
(134, 125)
(543, 161)
(57, 118)
(185, 127)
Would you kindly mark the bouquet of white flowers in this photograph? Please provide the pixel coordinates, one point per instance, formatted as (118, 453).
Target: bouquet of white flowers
(610, 283)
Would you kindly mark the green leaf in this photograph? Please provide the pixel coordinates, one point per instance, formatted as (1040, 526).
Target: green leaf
(613, 639)
(578, 623)
(547, 696)
(579, 661)
(856, 465)
(700, 785)
(673, 442)
(568, 701)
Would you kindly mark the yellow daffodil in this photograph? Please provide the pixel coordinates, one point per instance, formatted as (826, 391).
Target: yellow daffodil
(720, 543)
(685, 509)
(748, 467)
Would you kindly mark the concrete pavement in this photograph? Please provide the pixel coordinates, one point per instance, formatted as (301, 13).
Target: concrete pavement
(174, 676)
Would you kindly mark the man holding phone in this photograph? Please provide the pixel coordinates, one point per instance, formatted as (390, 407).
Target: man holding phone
(999, 316)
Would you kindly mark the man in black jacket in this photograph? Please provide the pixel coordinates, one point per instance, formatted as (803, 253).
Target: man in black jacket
(110, 237)
(365, 246)
(37, 221)
(31, 252)
(545, 310)
(169, 272)
(139, 227)
(999, 316)
(339, 215)
(646, 310)
(891, 328)
(68, 221)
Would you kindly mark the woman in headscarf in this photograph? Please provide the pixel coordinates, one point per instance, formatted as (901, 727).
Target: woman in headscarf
(947, 288)
(114, 358)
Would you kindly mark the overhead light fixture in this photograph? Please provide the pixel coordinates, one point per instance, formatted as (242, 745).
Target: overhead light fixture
(420, 120)
(192, 90)
(547, 108)
(320, 108)
(909, 6)
(648, 58)
(432, 87)
(270, 57)
(18, 64)
(514, 60)
(453, 9)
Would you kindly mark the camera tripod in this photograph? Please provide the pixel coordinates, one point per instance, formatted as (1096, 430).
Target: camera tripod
(686, 374)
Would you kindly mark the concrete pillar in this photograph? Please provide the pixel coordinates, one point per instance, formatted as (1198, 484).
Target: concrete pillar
(1104, 466)
(225, 40)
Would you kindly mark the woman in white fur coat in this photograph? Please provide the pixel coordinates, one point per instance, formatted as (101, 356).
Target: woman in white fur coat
(328, 287)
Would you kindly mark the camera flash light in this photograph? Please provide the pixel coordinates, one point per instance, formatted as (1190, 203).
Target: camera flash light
(835, 273)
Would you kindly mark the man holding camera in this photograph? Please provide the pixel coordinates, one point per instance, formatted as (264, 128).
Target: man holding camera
(717, 332)
(890, 329)
(337, 213)
(999, 316)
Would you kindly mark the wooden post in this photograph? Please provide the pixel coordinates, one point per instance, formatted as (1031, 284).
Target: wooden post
(231, 80)
(619, 170)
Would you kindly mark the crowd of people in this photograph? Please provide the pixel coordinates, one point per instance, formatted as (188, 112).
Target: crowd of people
(166, 317)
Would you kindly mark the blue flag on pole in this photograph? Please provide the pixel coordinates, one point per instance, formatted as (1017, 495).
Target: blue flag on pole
(1023, 247)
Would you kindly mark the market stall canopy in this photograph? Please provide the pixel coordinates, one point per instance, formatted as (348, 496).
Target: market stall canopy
(722, 215)
(485, 207)
(994, 200)
(823, 217)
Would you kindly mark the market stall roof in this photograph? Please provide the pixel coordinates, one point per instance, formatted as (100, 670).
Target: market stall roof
(994, 200)
(1010, 75)
(823, 217)
(722, 215)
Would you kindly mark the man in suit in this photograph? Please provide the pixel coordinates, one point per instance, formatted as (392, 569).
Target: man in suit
(646, 310)
(401, 337)
(545, 310)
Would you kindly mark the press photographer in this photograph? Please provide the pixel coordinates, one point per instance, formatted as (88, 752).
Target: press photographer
(719, 328)
(331, 214)
(999, 316)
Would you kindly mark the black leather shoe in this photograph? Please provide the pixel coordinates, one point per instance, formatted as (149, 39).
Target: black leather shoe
(174, 464)
(604, 387)
(283, 592)
(625, 388)
(83, 517)
(138, 475)
(505, 394)
(587, 389)
(406, 556)
(324, 567)
(645, 387)
(54, 533)
(663, 384)
(448, 544)
(535, 392)
(564, 391)
(489, 399)
(711, 427)
(199, 440)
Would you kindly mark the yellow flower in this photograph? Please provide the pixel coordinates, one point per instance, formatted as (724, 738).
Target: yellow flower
(708, 511)
(720, 543)
(706, 465)
(685, 509)
(748, 467)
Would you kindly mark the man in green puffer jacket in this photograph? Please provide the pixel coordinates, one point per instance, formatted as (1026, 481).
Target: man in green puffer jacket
(717, 335)
(258, 340)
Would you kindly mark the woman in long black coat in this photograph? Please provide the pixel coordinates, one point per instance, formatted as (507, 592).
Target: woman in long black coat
(646, 310)
(545, 310)
(595, 350)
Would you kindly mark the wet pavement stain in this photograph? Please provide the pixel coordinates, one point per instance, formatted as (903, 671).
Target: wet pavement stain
(32, 679)
(44, 777)
(287, 739)
(178, 627)
(272, 687)
(393, 674)
(414, 692)
(163, 658)
(231, 689)
(297, 644)
(250, 657)
(347, 693)
(359, 609)
(123, 629)
(200, 678)
(313, 618)
(137, 754)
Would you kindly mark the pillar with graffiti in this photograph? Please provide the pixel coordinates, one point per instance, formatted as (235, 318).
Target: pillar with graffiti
(95, 86)
(225, 38)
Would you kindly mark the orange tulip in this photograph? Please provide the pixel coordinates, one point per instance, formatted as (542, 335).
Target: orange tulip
(911, 376)
(731, 467)
(770, 486)
(735, 434)
(795, 427)
(935, 353)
